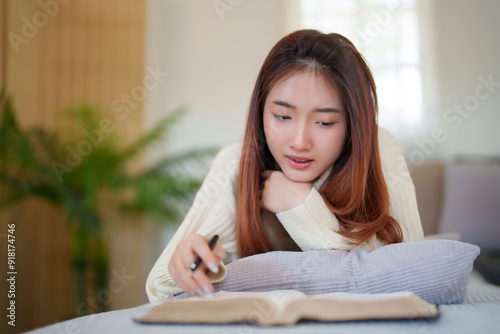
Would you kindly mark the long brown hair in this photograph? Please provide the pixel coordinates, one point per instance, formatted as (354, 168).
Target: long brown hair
(355, 190)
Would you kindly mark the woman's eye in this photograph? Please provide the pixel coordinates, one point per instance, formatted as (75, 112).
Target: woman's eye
(282, 117)
(326, 124)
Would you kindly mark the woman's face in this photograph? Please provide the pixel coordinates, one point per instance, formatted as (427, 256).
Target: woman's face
(304, 125)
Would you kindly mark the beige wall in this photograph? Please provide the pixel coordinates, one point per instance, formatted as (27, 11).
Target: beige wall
(459, 45)
(469, 48)
(213, 64)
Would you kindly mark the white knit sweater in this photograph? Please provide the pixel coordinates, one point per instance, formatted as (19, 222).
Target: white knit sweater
(308, 226)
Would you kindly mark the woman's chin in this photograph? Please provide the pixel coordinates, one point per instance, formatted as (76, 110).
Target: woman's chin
(300, 177)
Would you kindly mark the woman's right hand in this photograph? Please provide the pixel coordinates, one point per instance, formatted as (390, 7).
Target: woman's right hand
(197, 282)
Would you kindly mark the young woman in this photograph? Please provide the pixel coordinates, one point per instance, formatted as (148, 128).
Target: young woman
(314, 171)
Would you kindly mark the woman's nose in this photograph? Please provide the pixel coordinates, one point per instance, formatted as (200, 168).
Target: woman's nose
(300, 139)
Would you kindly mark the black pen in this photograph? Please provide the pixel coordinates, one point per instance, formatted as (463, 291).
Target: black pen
(211, 244)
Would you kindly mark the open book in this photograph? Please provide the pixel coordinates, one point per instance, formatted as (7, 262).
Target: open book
(286, 307)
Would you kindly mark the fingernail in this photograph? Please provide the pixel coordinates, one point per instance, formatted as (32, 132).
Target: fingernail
(208, 292)
(200, 293)
(213, 268)
(221, 256)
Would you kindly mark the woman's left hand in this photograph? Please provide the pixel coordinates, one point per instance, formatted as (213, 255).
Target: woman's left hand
(278, 193)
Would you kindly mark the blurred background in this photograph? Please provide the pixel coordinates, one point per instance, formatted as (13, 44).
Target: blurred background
(436, 65)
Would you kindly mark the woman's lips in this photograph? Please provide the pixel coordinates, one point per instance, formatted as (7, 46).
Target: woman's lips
(299, 162)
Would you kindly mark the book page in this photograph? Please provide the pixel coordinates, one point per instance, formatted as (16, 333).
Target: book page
(354, 306)
(271, 309)
(364, 296)
(276, 296)
(262, 308)
(280, 298)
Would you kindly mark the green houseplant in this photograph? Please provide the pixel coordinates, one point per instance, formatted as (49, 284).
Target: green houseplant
(88, 170)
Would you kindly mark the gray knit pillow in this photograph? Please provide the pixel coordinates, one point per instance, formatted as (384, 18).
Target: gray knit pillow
(435, 270)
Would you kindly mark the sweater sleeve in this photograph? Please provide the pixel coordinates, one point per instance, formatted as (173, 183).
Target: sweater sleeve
(314, 227)
(212, 212)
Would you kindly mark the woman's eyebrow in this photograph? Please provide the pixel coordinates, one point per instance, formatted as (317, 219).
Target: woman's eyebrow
(284, 104)
(288, 105)
(328, 109)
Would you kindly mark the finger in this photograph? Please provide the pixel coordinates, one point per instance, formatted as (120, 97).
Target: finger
(207, 256)
(197, 280)
(204, 286)
(220, 252)
(200, 276)
(187, 255)
(182, 276)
